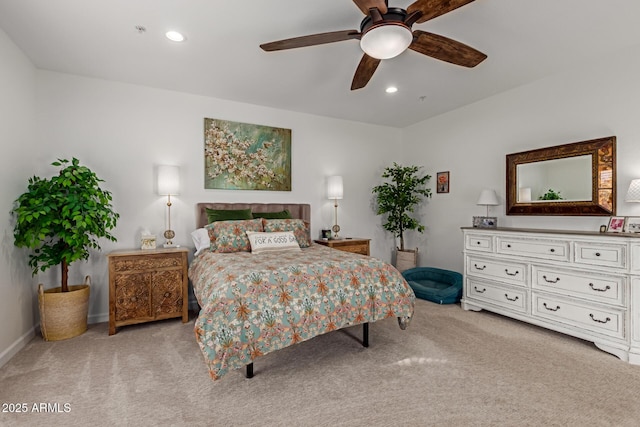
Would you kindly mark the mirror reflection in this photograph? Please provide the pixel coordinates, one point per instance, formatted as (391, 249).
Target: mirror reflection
(557, 180)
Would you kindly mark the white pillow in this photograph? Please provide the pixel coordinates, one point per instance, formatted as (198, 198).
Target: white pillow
(274, 241)
(201, 239)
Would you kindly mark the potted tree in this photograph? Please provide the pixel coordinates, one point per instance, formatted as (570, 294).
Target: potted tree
(397, 198)
(60, 219)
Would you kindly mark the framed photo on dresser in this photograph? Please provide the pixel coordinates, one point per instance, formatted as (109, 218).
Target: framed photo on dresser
(632, 224)
(616, 224)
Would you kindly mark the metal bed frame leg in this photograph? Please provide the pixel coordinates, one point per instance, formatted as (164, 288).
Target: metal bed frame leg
(365, 343)
(365, 334)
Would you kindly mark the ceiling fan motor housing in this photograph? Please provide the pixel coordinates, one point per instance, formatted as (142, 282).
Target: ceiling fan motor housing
(394, 15)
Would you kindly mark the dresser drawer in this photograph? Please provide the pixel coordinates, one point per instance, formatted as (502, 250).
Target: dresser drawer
(548, 249)
(354, 245)
(603, 320)
(607, 289)
(634, 258)
(478, 242)
(146, 262)
(362, 249)
(512, 298)
(506, 271)
(593, 253)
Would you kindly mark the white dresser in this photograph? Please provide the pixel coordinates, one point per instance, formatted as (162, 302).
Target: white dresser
(583, 284)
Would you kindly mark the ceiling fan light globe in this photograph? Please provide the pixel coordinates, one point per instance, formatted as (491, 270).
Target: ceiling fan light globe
(386, 41)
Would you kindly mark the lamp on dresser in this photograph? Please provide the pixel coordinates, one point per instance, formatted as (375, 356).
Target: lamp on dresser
(335, 192)
(168, 185)
(487, 198)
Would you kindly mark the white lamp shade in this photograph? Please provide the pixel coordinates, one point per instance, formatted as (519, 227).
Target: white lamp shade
(168, 180)
(488, 198)
(334, 187)
(524, 194)
(386, 41)
(633, 194)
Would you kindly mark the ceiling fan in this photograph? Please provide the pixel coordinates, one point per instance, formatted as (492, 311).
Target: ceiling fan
(386, 32)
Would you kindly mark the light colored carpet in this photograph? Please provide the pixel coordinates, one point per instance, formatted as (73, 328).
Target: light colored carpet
(449, 368)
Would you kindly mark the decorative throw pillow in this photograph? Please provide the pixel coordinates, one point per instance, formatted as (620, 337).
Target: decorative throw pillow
(231, 236)
(214, 215)
(201, 240)
(269, 242)
(298, 227)
(285, 214)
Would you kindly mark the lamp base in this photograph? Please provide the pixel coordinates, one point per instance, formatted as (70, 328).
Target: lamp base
(169, 234)
(336, 230)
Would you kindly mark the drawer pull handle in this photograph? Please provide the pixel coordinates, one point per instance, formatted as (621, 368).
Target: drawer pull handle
(480, 291)
(479, 268)
(606, 288)
(551, 309)
(167, 294)
(597, 253)
(551, 281)
(608, 319)
(511, 274)
(552, 250)
(508, 246)
(510, 299)
(477, 243)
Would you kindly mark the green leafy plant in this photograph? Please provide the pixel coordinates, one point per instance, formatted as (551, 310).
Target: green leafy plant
(60, 219)
(399, 196)
(551, 195)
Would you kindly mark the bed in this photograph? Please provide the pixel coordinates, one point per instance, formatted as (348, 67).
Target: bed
(254, 303)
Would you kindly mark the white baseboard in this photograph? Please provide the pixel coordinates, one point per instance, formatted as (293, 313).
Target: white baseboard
(21, 342)
(97, 318)
(17, 345)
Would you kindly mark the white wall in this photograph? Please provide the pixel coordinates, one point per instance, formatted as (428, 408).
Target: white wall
(598, 99)
(123, 132)
(17, 141)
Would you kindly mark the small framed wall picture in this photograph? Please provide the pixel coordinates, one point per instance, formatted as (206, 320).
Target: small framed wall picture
(442, 182)
(632, 224)
(616, 224)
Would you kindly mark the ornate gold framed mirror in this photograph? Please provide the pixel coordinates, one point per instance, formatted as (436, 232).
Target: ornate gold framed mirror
(571, 179)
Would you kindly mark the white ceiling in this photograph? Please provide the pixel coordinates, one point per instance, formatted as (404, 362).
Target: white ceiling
(525, 40)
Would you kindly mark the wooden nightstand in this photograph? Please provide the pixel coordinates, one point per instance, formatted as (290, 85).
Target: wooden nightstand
(355, 245)
(147, 285)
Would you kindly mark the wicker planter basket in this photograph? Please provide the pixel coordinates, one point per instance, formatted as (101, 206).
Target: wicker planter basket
(63, 315)
(406, 259)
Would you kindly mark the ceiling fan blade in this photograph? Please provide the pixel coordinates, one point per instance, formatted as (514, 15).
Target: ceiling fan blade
(312, 40)
(433, 8)
(445, 49)
(365, 5)
(364, 72)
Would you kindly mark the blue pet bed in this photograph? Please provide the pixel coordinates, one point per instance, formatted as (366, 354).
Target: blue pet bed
(435, 284)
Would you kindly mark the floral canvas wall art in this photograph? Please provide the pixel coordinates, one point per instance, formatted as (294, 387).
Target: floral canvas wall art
(243, 156)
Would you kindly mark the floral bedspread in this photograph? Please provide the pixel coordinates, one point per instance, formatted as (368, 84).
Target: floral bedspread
(253, 304)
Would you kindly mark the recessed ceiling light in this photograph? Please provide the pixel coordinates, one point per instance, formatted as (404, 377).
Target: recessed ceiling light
(175, 36)
(391, 89)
